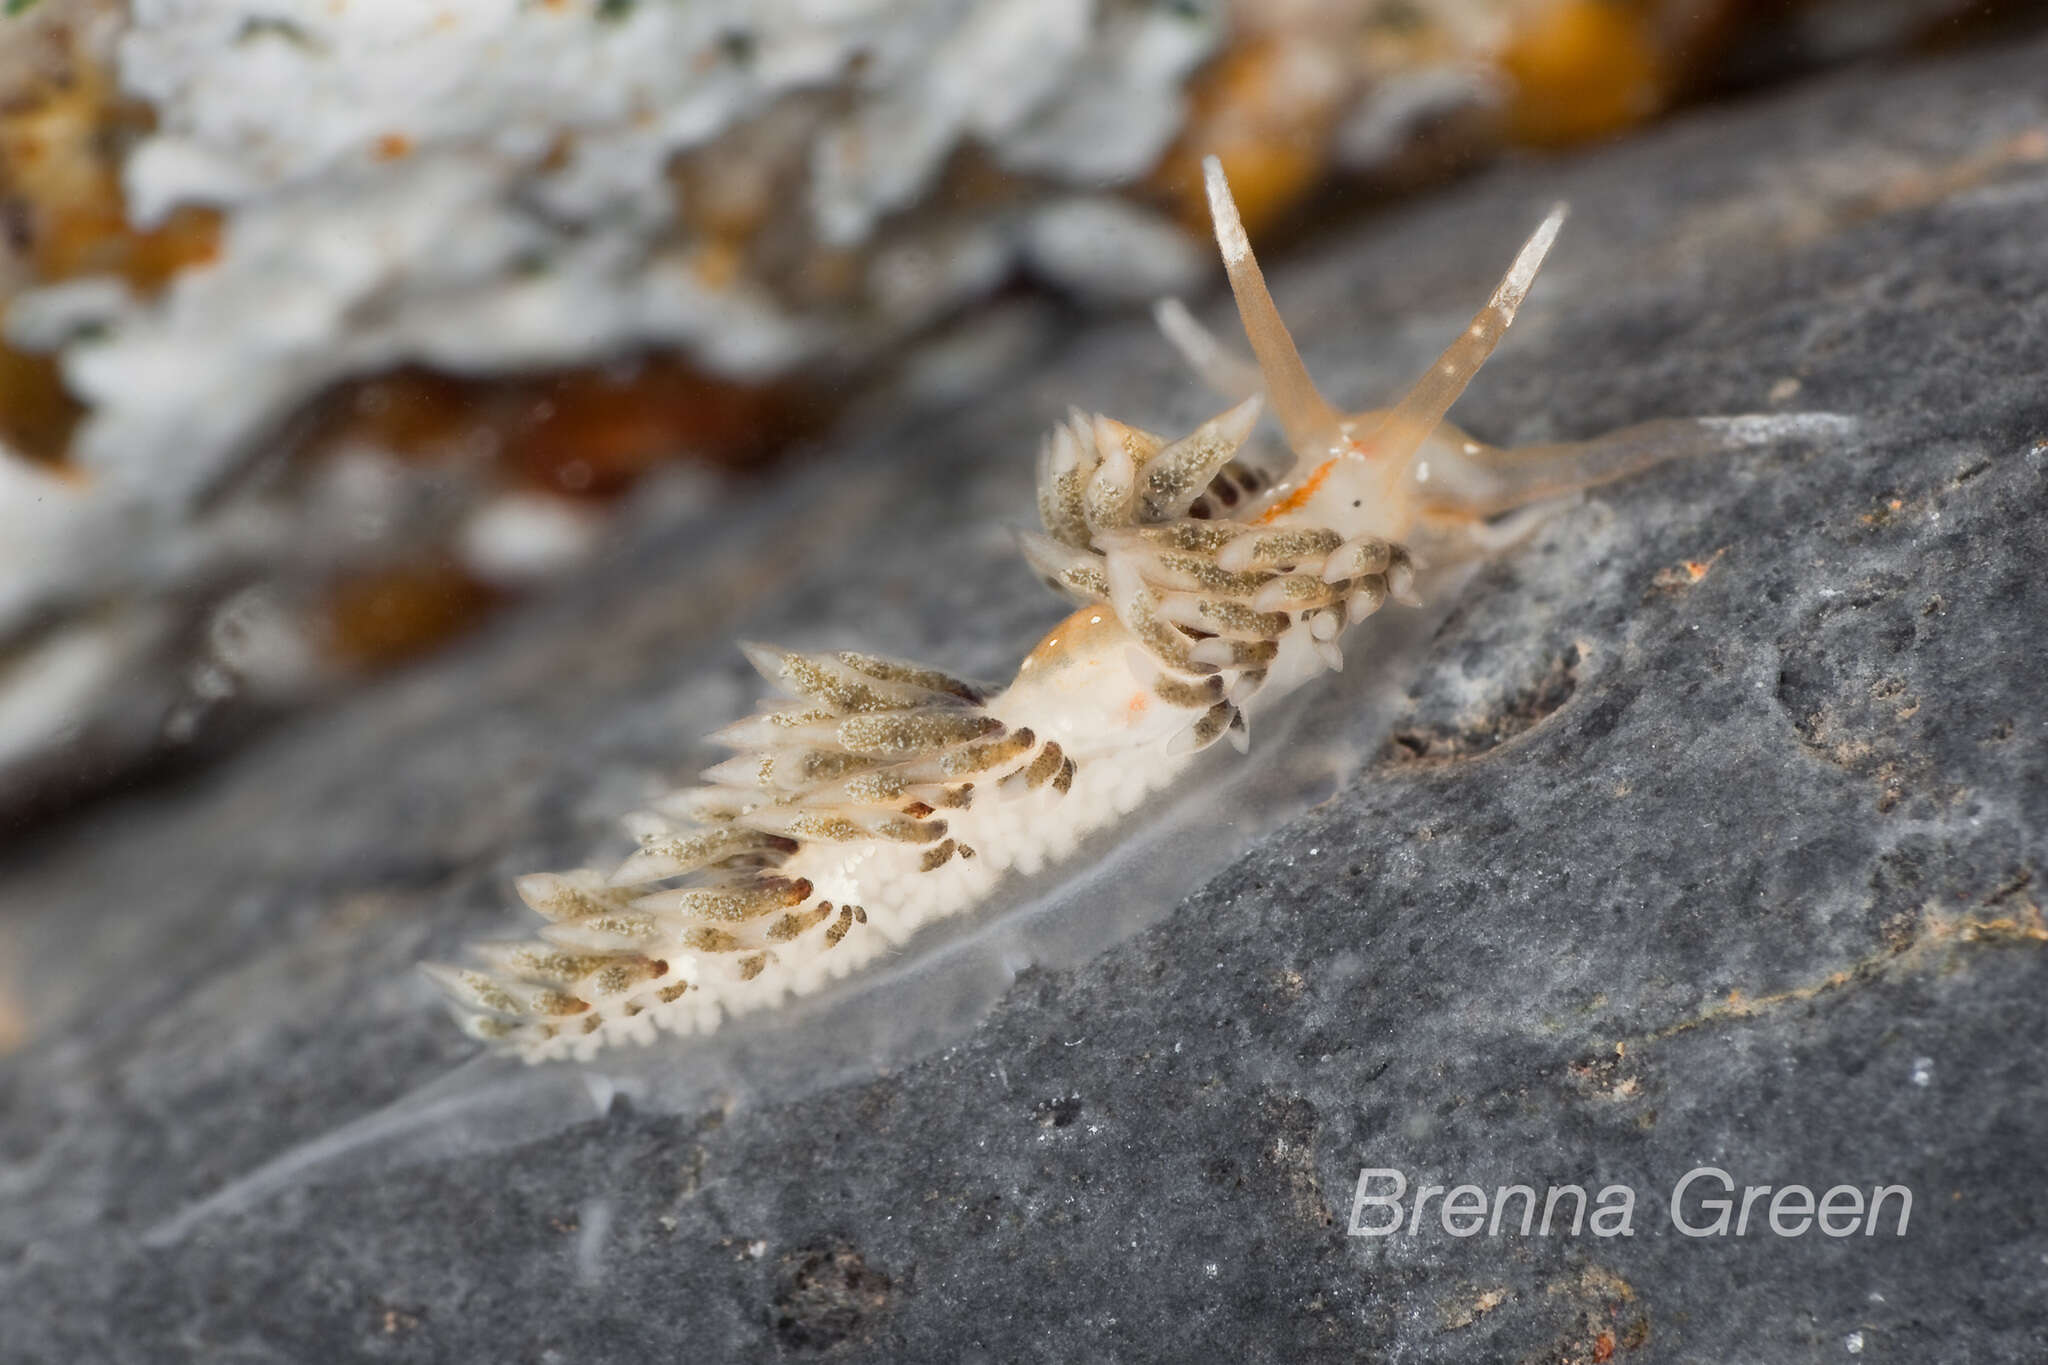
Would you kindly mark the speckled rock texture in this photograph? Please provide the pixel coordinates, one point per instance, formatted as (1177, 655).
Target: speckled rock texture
(1714, 835)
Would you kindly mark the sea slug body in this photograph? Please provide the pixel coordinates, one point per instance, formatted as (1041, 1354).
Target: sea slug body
(876, 796)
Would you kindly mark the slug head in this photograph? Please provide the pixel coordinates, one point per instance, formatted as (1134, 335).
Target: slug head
(1358, 472)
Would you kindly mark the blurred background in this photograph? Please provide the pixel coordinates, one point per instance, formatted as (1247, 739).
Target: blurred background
(327, 330)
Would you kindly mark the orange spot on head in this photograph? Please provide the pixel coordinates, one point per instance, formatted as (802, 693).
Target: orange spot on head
(1138, 704)
(391, 147)
(1298, 499)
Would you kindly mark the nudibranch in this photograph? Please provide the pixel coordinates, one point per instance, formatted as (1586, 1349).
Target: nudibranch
(876, 796)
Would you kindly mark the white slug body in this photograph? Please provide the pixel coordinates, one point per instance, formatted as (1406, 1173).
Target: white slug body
(877, 796)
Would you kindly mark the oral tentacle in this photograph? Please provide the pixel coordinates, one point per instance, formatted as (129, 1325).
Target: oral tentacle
(1228, 374)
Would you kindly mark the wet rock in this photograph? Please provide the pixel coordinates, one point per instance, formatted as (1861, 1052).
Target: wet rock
(1719, 842)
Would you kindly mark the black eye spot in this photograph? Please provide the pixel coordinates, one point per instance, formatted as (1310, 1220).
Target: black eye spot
(1356, 502)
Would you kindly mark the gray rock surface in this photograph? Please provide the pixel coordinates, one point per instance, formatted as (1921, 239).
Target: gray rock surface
(1735, 864)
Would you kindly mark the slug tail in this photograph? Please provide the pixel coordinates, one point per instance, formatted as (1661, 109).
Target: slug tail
(1228, 374)
(1472, 480)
